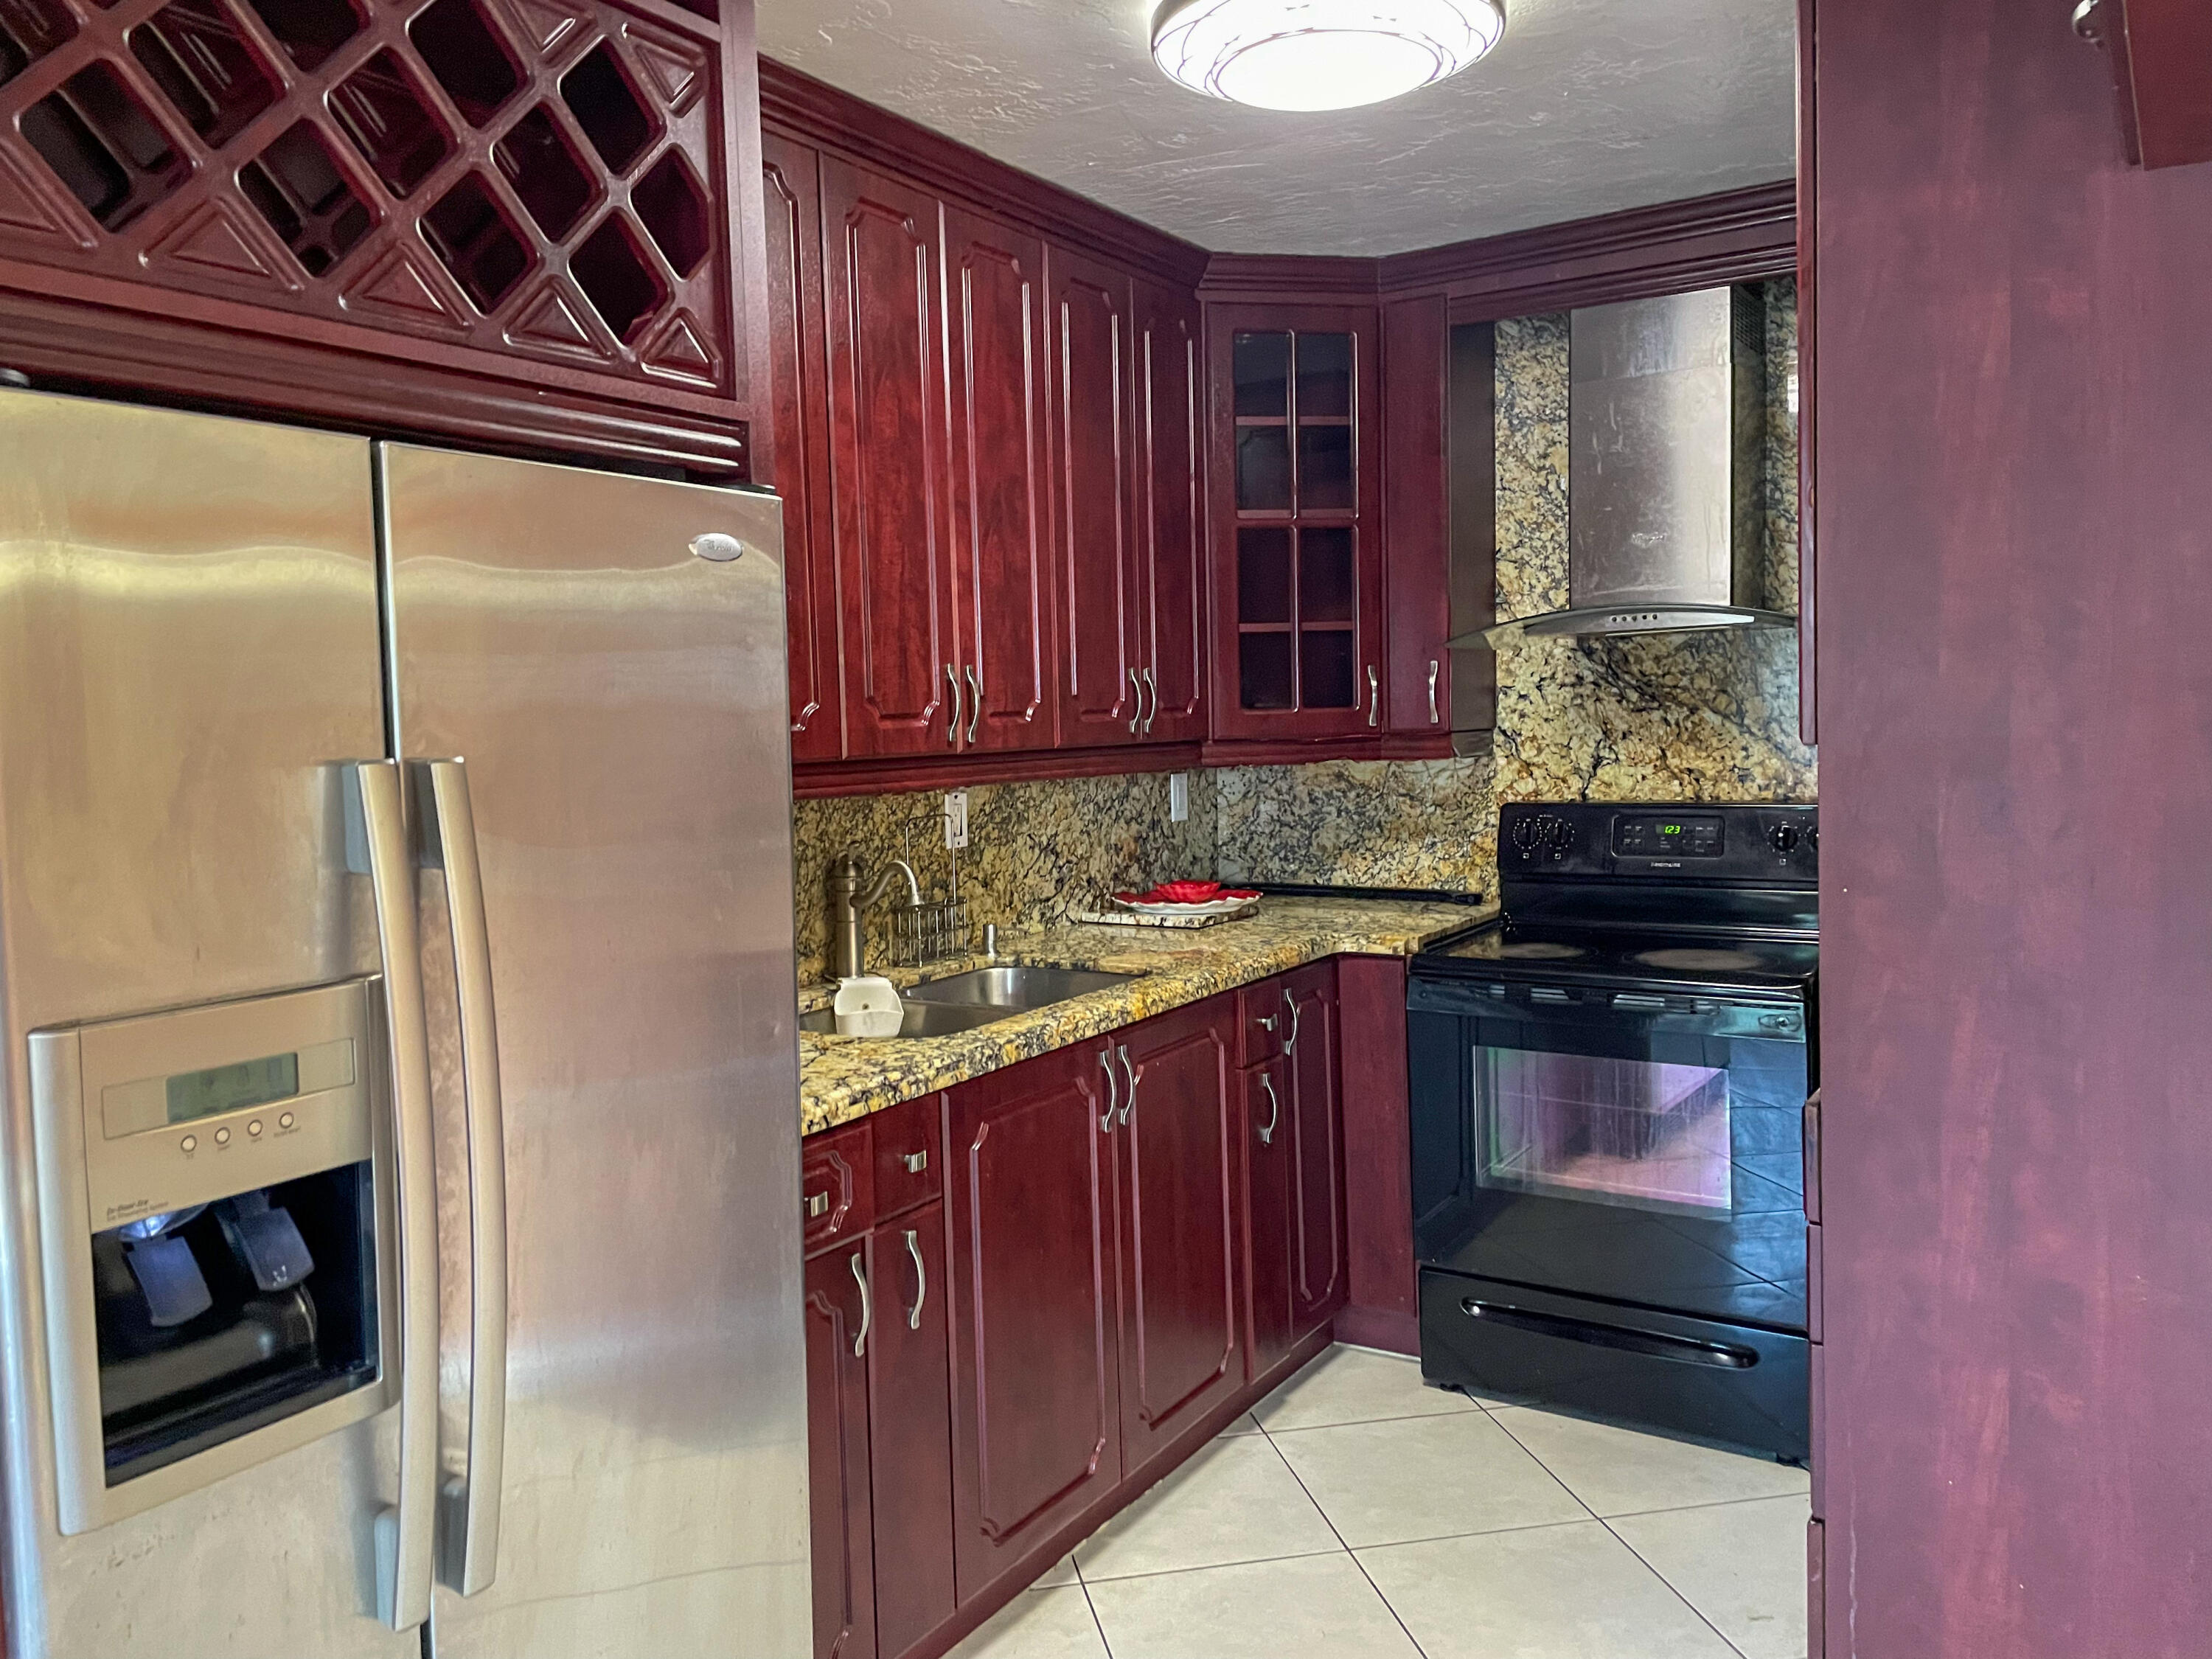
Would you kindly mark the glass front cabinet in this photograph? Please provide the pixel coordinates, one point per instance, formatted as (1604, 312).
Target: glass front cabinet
(1296, 508)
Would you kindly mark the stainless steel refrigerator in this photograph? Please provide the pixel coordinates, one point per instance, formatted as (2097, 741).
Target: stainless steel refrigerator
(400, 1134)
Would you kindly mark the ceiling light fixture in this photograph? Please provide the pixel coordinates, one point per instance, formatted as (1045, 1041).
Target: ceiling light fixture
(1319, 54)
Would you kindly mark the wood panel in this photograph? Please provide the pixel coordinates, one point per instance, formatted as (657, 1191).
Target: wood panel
(1171, 512)
(1001, 507)
(1316, 1144)
(1098, 594)
(842, 1528)
(1416, 514)
(1182, 1351)
(1269, 1237)
(910, 1430)
(2016, 519)
(1382, 1308)
(2161, 52)
(799, 366)
(1036, 1417)
(887, 448)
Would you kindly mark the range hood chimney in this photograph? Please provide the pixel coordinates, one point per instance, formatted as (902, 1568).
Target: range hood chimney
(1667, 428)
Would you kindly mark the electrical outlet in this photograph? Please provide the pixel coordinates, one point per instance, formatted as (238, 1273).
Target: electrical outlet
(956, 819)
(1178, 797)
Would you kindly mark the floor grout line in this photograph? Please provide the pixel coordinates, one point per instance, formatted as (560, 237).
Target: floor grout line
(1677, 1594)
(1411, 1638)
(1805, 1497)
(1357, 1422)
(1211, 1566)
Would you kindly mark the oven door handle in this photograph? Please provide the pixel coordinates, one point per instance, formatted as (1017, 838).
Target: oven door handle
(1653, 1345)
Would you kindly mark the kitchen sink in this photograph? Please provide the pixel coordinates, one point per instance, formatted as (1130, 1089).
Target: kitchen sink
(923, 1019)
(1013, 990)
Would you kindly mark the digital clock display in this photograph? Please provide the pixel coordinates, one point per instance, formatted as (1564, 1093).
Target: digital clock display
(1681, 835)
(195, 1095)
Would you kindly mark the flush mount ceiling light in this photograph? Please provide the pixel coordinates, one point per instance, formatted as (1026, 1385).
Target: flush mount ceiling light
(1319, 54)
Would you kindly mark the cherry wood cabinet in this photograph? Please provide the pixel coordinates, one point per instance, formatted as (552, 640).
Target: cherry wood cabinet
(838, 1475)
(521, 226)
(1168, 374)
(881, 280)
(1419, 462)
(1295, 488)
(1178, 1133)
(792, 190)
(1001, 508)
(1314, 1123)
(1265, 1125)
(910, 1430)
(1029, 1195)
(1101, 694)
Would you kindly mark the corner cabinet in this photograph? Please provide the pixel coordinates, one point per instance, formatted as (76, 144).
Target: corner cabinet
(1295, 491)
(517, 225)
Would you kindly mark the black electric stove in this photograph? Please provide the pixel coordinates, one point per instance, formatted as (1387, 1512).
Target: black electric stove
(1607, 1085)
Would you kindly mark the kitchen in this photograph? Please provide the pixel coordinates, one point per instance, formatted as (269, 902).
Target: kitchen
(436, 1227)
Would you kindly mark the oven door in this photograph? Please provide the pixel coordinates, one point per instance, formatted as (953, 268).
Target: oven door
(1637, 1147)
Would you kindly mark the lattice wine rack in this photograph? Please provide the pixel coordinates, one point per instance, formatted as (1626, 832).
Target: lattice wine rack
(535, 178)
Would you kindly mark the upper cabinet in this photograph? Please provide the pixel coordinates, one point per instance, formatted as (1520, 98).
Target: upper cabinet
(1296, 487)
(514, 224)
(1169, 373)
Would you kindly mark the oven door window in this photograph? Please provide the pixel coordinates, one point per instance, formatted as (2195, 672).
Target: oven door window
(1645, 1133)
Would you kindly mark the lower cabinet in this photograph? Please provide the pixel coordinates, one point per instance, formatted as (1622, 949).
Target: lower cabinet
(1026, 1296)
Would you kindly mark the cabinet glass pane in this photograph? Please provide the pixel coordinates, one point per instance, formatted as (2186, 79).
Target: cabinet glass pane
(1324, 374)
(1325, 669)
(1324, 467)
(1263, 468)
(1326, 586)
(1263, 374)
(1263, 575)
(1264, 671)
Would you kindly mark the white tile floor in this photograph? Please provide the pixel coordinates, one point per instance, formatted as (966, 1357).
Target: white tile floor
(1355, 1513)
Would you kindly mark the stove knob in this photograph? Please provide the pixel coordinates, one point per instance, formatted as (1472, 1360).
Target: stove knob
(1782, 838)
(1526, 832)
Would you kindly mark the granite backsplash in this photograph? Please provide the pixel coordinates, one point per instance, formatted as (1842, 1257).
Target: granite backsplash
(1681, 717)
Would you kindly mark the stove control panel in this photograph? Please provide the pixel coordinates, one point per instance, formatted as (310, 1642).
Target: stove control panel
(1737, 844)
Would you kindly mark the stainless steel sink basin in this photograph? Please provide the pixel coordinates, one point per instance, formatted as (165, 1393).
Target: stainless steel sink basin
(922, 1019)
(1013, 990)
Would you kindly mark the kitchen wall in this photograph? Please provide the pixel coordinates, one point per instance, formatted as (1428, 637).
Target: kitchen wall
(1695, 717)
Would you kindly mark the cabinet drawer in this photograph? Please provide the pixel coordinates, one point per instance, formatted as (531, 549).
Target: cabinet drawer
(909, 1160)
(1262, 1021)
(836, 1184)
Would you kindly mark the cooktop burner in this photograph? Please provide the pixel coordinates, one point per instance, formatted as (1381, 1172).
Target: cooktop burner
(1700, 960)
(1627, 956)
(1541, 949)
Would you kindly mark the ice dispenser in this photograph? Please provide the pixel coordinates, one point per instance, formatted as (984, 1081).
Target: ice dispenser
(215, 1227)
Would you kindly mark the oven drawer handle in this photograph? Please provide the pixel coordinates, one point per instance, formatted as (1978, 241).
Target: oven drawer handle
(1656, 1345)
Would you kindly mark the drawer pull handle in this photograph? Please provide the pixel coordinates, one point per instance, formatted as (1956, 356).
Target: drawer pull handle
(867, 1309)
(922, 1281)
(916, 1162)
(1274, 1110)
(817, 1205)
(1656, 1345)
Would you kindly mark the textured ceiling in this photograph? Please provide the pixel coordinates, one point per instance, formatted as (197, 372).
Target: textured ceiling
(1586, 107)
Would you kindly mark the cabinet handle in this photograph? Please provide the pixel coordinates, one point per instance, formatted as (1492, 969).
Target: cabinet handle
(1291, 1043)
(916, 1162)
(867, 1309)
(921, 1278)
(1374, 695)
(1435, 718)
(1129, 1072)
(1136, 700)
(975, 701)
(1153, 686)
(817, 1205)
(1269, 1022)
(952, 724)
(1274, 1109)
(1113, 1093)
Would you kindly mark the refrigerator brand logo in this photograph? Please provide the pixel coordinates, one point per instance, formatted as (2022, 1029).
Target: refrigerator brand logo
(123, 1212)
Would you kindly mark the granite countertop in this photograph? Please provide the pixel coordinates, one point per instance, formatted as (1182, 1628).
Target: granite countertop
(841, 1079)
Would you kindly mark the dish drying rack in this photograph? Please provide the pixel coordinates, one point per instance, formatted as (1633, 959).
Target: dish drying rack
(935, 931)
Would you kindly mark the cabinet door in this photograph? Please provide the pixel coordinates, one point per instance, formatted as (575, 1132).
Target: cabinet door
(1169, 521)
(1001, 515)
(1181, 1119)
(1416, 507)
(1036, 1407)
(1266, 1127)
(1297, 544)
(1092, 531)
(910, 1430)
(887, 448)
(1316, 1148)
(792, 188)
(842, 1528)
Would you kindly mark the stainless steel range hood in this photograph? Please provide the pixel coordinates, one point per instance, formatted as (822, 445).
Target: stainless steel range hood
(1667, 428)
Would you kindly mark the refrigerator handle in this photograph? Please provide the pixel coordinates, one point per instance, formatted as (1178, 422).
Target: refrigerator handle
(473, 1498)
(404, 1531)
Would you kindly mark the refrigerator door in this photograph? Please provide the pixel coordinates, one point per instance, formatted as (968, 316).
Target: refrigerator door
(189, 655)
(617, 699)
